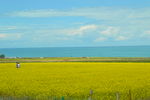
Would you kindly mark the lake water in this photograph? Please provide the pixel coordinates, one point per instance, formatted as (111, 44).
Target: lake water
(120, 51)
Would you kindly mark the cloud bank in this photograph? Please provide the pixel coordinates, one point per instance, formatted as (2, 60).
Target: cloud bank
(106, 24)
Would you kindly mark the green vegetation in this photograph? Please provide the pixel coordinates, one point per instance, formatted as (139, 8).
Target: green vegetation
(2, 56)
(78, 59)
(75, 80)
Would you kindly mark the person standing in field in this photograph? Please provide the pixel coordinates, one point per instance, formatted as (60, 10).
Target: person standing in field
(17, 65)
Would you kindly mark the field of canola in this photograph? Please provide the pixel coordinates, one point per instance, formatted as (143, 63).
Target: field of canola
(75, 80)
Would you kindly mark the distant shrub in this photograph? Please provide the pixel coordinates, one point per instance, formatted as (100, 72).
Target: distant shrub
(2, 56)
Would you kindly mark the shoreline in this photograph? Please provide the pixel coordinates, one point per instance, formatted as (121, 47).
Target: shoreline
(76, 59)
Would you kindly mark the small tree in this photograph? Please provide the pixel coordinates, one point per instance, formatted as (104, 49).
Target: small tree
(2, 56)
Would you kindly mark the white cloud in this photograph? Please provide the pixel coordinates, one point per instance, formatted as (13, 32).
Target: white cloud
(117, 23)
(122, 38)
(81, 30)
(145, 34)
(3, 36)
(112, 13)
(110, 31)
(87, 27)
(13, 36)
(8, 27)
(42, 13)
(100, 39)
(114, 33)
(95, 32)
(18, 36)
(63, 38)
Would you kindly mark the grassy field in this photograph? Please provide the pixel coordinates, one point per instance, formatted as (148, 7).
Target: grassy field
(78, 59)
(75, 80)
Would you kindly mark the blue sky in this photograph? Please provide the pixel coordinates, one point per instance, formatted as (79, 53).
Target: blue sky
(74, 23)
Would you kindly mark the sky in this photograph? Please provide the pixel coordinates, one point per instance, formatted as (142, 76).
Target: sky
(74, 23)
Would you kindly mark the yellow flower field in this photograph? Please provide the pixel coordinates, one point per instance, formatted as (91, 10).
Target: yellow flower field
(75, 80)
